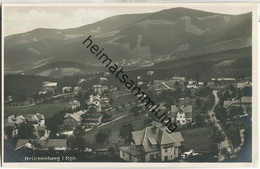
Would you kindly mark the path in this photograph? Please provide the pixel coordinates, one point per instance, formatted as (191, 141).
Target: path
(226, 143)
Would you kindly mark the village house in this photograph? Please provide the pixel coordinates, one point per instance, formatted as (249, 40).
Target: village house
(92, 120)
(150, 72)
(77, 90)
(102, 79)
(49, 87)
(66, 89)
(160, 85)
(181, 114)
(95, 101)
(81, 81)
(47, 144)
(72, 119)
(223, 79)
(244, 102)
(98, 89)
(106, 74)
(178, 78)
(153, 143)
(245, 89)
(74, 104)
(35, 119)
(12, 122)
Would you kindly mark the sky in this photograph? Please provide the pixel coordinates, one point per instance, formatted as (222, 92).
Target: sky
(19, 19)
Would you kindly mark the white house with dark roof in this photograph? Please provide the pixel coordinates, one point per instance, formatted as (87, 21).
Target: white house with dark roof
(181, 114)
(153, 143)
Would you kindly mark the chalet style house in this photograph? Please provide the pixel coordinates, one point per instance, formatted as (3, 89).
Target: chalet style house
(181, 114)
(153, 143)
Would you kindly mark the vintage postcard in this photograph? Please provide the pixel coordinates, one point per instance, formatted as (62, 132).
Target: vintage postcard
(129, 84)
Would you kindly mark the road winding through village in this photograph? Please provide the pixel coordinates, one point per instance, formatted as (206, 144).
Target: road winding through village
(226, 143)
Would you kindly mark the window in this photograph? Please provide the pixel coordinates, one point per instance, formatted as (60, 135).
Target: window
(151, 156)
(166, 150)
(123, 154)
(183, 121)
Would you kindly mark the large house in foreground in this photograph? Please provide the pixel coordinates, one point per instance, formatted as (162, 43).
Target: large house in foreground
(152, 144)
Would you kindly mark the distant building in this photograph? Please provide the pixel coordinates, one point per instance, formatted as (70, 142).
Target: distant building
(81, 81)
(35, 119)
(224, 79)
(66, 89)
(50, 87)
(96, 101)
(245, 89)
(160, 85)
(106, 74)
(98, 89)
(103, 79)
(92, 119)
(77, 90)
(74, 104)
(152, 144)
(72, 119)
(15, 120)
(150, 72)
(179, 78)
(55, 144)
(244, 102)
(181, 114)
(12, 122)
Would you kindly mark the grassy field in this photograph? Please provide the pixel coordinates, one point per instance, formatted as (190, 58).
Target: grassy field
(114, 128)
(45, 108)
(121, 97)
(197, 138)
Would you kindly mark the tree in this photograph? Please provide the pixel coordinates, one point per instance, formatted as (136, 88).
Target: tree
(176, 84)
(106, 117)
(200, 120)
(205, 83)
(225, 152)
(25, 131)
(217, 135)
(221, 113)
(92, 110)
(126, 132)
(185, 83)
(102, 137)
(79, 130)
(198, 102)
(77, 142)
(235, 111)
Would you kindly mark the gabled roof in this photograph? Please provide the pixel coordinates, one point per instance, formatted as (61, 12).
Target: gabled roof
(138, 136)
(184, 108)
(244, 84)
(15, 119)
(246, 99)
(75, 116)
(155, 135)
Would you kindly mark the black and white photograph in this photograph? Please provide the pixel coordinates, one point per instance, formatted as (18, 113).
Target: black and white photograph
(170, 84)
